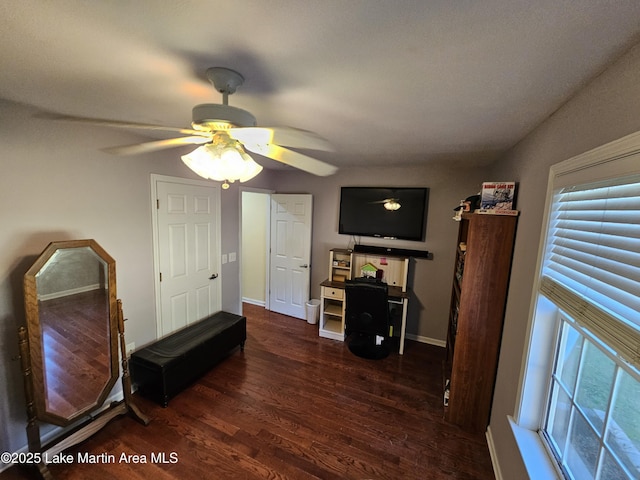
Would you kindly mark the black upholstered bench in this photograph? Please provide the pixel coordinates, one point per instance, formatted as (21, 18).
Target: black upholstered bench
(164, 368)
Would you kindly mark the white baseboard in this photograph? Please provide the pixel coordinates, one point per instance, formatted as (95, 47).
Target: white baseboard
(428, 340)
(260, 303)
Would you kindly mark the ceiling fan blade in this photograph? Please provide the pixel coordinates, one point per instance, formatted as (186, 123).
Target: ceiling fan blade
(294, 159)
(287, 136)
(117, 124)
(155, 145)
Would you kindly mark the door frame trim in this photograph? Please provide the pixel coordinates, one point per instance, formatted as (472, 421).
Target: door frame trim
(154, 179)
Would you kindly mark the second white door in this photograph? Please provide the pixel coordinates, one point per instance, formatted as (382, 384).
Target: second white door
(290, 257)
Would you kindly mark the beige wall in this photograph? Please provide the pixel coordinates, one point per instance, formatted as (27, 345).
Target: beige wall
(607, 109)
(255, 216)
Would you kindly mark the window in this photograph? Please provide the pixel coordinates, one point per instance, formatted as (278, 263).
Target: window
(592, 424)
(591, 272)
(581, 387)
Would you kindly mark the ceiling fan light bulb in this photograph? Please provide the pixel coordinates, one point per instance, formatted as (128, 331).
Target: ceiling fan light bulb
(231, 163)
(251, 168)
(197, 161)
(203, 163)
(216, 171)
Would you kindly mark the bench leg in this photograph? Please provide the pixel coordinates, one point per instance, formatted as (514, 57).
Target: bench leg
(242, 346)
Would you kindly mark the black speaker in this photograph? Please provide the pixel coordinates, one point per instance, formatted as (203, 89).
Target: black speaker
(399, 252)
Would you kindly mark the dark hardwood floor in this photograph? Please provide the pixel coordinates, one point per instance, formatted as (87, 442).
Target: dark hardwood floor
(294, 406)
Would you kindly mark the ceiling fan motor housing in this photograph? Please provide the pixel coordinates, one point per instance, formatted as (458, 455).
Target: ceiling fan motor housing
(212, 116)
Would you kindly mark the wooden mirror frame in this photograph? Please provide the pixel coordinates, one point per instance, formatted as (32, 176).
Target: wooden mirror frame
(36, 347)
(85, 421)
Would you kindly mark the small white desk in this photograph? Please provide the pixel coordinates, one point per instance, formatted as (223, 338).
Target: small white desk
(332, 304)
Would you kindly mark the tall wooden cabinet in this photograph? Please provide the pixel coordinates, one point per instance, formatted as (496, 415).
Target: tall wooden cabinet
(479, 292)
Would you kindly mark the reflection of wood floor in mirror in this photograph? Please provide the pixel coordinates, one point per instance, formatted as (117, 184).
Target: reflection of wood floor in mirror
(75, 331)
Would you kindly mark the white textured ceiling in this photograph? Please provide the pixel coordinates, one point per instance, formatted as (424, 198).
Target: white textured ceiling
(395, 82)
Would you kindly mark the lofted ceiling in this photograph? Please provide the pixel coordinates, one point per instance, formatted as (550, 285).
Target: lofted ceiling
(386, 82)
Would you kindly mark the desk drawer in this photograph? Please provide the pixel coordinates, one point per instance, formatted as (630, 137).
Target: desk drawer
(330, 292)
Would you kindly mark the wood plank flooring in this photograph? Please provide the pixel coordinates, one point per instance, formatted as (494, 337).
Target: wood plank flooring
(294, 406)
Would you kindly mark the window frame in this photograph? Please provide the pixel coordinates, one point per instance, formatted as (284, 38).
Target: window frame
(615, 159)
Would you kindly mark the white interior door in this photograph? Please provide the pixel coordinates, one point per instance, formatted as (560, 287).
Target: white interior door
(290, 258)
(188, 249)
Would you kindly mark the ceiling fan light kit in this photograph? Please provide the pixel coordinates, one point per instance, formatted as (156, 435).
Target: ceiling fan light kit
(222, 160)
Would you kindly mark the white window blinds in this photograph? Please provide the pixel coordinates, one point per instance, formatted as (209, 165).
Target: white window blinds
(592, 260)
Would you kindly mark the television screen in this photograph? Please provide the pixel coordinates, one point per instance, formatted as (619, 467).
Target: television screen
(384, 212)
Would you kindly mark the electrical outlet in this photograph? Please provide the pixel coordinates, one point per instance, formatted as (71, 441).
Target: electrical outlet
(232, 257)
(224, 258)
(130, 348)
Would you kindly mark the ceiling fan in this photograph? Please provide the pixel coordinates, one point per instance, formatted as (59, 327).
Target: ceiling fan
(224, 133)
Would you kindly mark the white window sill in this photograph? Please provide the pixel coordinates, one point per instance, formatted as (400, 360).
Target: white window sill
(535, 456)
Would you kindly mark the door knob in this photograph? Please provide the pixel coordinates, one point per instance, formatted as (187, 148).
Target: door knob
(213, 276)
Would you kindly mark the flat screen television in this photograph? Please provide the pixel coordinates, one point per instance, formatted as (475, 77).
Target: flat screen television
(384, 212)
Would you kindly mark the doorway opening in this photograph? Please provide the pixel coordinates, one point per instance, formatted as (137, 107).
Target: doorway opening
(255, 209)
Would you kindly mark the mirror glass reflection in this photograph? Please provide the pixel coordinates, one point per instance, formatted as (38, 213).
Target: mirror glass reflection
(73, 305)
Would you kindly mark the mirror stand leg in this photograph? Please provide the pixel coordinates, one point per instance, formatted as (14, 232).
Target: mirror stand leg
(134, 411)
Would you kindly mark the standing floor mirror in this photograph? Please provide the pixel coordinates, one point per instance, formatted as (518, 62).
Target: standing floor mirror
(71, 346)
